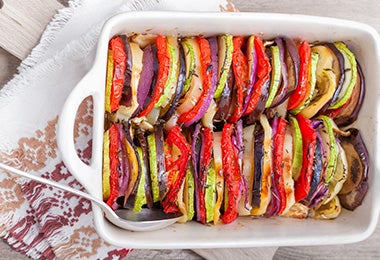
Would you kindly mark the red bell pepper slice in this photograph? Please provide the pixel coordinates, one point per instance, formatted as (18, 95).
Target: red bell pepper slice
(241, 73)
(231, 173)
(119, 60)
(114, 165)
(335, 112)
(263, 75)
(178, 168)
(309, 140)
(163, 57)
(299, 94)
(278, 150)
(205, 53)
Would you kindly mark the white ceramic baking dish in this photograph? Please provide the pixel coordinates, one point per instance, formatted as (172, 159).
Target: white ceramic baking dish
(246, 232)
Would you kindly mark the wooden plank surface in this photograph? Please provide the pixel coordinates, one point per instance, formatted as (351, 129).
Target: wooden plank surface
(21, 25)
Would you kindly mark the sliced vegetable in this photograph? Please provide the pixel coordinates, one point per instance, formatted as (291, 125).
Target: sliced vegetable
(119, 58)
(163, 57)
(355, 198)
(350, 75)
(287, 158)
(140, 198)
(252, 70)
(114, 166)
(192, 96)
(340, 175)
(218, 164)
(152, 87)
(153, 166)
(225, 50)
(260, 89)
(267, 163)
(275, 80)
(177, 167)
(310, 87)
(206, 177)
(258, 167)
(302, 185)
(330, 210)
(210, 197)
(172, 77)
(297, 148)
(146, 78)
(248, 169)
(189, 193)
(356, 185)
(241, 72)
(231, 173)
(326, 81)
(299, 94)
(161, 167)
(208, 67)
(318, 175)
(182, 207)
(180, 85)
(106, 188)
(282, 92)
(338, 68)
(195, 156)
(278, 163)
(124, 175)
(225, 101)
(350, 111)
(190, 64)
(109, 79)
(135, 171)
(129, 106)
(292, 60)
(263, 162)
(330, 146)
(145, 165)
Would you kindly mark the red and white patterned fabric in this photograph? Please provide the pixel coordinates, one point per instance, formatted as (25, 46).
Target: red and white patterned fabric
(37, 220)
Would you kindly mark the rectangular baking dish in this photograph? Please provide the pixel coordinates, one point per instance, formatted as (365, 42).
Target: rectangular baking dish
(349, 227)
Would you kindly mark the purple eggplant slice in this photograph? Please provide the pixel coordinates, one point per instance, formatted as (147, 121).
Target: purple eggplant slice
(258, 165)
(356, 185)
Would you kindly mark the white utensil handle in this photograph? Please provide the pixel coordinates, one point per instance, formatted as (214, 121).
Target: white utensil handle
(50, 183)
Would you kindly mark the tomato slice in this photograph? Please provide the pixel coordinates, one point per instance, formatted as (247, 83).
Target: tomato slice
(309, 139)
(241, 72)
(119, 61)
(299, 94)
(231, 173)
(177, 168)
(263, 74)
(278, 151)
(114, 165)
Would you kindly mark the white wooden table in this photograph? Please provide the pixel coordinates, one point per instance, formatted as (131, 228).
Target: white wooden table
(21, 25)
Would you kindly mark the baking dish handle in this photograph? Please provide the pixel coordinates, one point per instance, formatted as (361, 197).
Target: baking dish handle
(84, 173)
